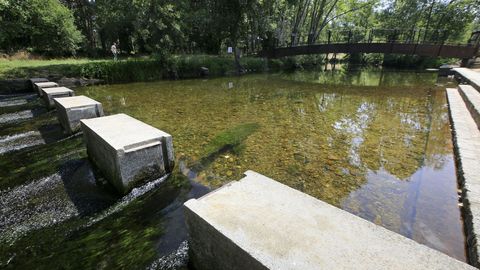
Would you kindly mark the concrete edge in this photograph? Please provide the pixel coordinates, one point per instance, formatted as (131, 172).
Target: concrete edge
(247, 261)
(245, 174)
(464, 78)
(468, 92)
(193, 206)
(467, 215)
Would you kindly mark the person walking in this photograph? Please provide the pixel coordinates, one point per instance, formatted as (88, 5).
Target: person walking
(114, 51)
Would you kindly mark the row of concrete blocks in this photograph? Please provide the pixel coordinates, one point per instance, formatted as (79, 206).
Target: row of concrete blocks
(127, 151)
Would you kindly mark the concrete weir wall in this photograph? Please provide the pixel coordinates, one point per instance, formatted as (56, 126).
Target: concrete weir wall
(464, 107)
(466, 75)
(258, 223)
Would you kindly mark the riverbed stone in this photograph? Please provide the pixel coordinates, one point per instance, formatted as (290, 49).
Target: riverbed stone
(258, 223)
(70, 110)
(127, 151)
(43, 85)
(48, 94)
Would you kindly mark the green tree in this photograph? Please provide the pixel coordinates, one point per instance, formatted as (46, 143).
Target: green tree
(43, 25)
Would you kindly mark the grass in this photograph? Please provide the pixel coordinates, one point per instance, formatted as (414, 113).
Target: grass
(146, 68)
(128, 70)
(9, 68)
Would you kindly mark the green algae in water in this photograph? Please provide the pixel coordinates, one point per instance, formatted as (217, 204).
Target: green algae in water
(231, 138)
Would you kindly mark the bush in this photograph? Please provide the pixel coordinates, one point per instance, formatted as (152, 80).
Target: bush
(46, 26)
(413, 61)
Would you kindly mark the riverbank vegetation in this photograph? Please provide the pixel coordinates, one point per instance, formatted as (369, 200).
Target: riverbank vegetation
(151, 68)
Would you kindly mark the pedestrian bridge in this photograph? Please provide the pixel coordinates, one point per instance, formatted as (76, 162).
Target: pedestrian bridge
(396, 42)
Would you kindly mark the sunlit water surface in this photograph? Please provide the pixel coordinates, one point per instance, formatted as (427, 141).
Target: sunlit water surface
(374, 143)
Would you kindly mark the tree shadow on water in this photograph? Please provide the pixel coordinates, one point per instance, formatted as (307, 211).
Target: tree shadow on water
(52, 132)
(84, 188)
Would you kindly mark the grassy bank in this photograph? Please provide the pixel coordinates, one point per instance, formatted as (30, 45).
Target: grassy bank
(128, 70)
(148, 68)
(184, 66)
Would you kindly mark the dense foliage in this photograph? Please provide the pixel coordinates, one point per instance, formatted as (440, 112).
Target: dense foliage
(209, 26)
(43, 25)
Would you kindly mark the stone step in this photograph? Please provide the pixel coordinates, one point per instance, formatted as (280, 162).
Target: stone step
(466, 138)
(468, 76)
(471, 97)
(258, 223)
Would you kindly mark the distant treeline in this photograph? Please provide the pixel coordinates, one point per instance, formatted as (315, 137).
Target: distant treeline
(90, 27)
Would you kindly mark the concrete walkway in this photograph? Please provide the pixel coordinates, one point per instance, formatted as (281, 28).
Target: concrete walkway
(467, 148)
(258, 223)
(470, 76)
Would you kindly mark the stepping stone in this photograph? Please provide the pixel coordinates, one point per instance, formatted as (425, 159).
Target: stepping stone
(36, 80)
(70, 110)
(55, 92)
(127, 151)
(258, 223)
(43, 85)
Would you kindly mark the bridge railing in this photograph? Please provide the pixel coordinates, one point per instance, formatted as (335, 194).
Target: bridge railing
(412, 36)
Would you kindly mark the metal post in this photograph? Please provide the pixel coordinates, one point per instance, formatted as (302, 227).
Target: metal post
(349, 35)
(329, 36)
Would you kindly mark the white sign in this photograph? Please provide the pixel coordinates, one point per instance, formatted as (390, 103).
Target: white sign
(229, 50)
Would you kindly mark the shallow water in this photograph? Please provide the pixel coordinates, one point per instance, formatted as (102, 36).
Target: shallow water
(374, 143)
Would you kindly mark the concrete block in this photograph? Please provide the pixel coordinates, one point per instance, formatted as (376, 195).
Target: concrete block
(70, 110)
(32, 82)
(43, 85)
(127, 151)
(48, 94)
(258, 223)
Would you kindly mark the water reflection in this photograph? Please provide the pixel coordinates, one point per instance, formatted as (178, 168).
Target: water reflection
(364, 77)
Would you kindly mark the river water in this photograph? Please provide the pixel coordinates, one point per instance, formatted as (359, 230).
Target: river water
(374, 143)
